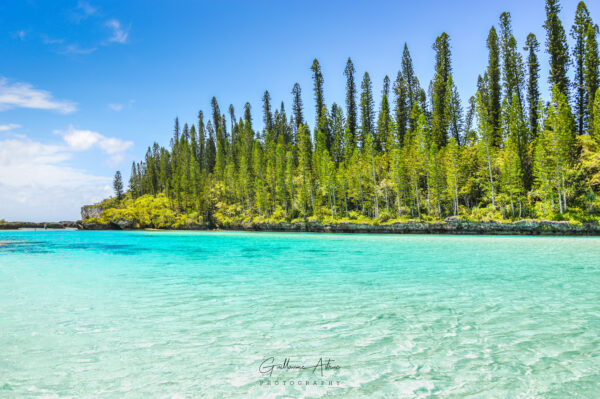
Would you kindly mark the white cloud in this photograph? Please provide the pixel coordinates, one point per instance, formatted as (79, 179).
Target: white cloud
(115, 107)
(61, 47)
(48, 40)
(112, 145)
(83, 11)
(8, 127)
(81, 140)
(86, 8)
(24, 95)
(119, 35)
(75, 49)
(37, 185)
(120, 107)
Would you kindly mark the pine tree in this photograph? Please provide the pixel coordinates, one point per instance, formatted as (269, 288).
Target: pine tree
(367, 109)
(193, 143)
(443, 70)
(248, 114)
(384, 119)
(411, 83)
(176, 131)
(297, 105)
(468, 135)
(321, 135)
(454, 111)
(595, 125)
(557, 48)
(232, 119)
(512, 62)
(337, 127)
(579, 33)
(401, 107)
(351, 111)
(134, 183)
(422, 104)
(216, 113)
(118, 185)
(267, 114)
(195, 168)
(221, 139)
(533, 91)
(201, 140)
(493, 88)
(482, 87)
(591, 72)
(318, 89)
(211, 148)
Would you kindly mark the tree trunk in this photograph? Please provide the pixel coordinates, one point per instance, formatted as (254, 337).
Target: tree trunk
(346, 201)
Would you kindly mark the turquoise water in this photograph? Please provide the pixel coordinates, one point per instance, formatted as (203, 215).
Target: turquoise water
(169, 314)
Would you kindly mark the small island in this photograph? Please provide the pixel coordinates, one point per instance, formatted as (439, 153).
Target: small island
(508, 161)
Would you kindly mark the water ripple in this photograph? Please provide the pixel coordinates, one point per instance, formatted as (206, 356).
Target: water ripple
(149, 314)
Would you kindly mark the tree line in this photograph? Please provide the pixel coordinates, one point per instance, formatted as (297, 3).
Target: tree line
(417, 153)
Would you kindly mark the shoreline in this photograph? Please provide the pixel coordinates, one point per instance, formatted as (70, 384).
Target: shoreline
(65, 225)
(451, 226)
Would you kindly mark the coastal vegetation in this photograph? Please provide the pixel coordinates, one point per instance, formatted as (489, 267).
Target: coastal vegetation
(419, 154)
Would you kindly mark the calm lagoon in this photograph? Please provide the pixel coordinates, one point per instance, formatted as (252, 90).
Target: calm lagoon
(209, 314)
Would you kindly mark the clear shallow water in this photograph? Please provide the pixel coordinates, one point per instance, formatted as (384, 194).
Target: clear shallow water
(149, 314)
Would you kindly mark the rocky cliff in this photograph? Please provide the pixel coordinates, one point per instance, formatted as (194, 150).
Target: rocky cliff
(91, 211)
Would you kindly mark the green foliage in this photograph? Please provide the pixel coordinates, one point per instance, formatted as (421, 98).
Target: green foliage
(509, 158)
(579, 34)
(443, 69)
(493, 88)
(533, 92)
(591, 74)
(351, 99)
(512, 62)
(595, 123)
(147, 211)
(557, 48)
(367, 109)
(118, 185)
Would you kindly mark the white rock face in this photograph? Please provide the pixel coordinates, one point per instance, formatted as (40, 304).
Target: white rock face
(91, 211)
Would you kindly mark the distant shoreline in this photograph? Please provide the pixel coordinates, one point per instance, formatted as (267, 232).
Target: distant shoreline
(451, 227)
(40, 225)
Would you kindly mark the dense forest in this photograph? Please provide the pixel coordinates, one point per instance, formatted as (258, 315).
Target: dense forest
(420, 153)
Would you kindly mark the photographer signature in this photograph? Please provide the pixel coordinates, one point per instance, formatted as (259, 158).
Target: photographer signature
(268, 365)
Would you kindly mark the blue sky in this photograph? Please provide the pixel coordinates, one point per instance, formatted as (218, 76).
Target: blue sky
(86, 86)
